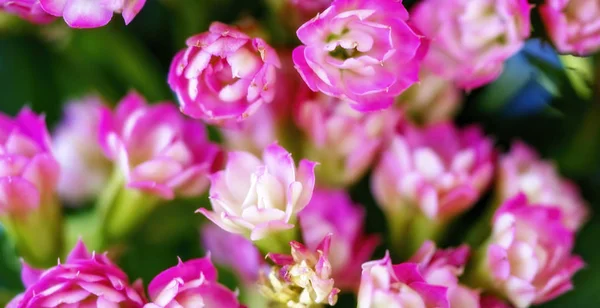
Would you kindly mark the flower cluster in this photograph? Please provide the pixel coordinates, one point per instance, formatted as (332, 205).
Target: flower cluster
(365, 102)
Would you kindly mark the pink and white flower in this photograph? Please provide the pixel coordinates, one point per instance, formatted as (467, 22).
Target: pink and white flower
(440, 170)
(29, 174)
(363, 51)
(77, 148)
(84, 280)
(92, 14)
(442, 267)
(345, 141)
(303, 278)
(255, 197)
(157, 149)
(333, 212)
(219, 244)
(471, 39)
(385, 285)
(433, 100)
(573, 25)
(223, 75)
(30, 10)
(522, 170)
(528, 257)
(190, 284)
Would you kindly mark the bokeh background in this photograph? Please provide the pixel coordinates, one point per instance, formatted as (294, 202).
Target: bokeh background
(550, 101)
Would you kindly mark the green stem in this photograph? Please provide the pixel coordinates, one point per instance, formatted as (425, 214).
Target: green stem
(398, 227)
(277, 242)
(131, 209)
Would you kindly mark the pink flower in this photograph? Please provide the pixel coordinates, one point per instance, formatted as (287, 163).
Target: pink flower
(345, 141)
(77, 148)
(522, 170)
(92, 14)
(219, 243)
(190, 284)
(83, 281)
(528, 258)
(333, 212)
(223, 75)
(28, 170)
(360, 50)
(471, 39)
(157, 149)
(28, 178)
(385, 285)
(30, 10)
(303, 278)
(442, 268)
(573, 25)
(255, 198)
(433, 100)
(441, 169)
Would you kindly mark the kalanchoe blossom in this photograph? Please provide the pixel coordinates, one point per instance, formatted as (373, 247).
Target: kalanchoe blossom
(77, 148)
(573, 25)
(29, 174)
(471, 39)
(522, 170)
(157, 149)
(92, 14)
(245, 262)
(441, 170)
(301, 279)
(190, 284)
(385, 285)
(223, 75)
(433, 100)
(30, 10)
(332, 211)
(443, 268)
(360, 50)
(528, 257)
(84, 280)
(256, 197)
(345, 141)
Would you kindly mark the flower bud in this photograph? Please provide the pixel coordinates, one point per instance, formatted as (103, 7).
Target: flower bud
(158, 153)
(256, 198)
(224, 75)
(363, 51)
(29, 210)
(522, 170)
(471, 39)
(77, 148)
(572, 25)
(527, 258)
(345, 141)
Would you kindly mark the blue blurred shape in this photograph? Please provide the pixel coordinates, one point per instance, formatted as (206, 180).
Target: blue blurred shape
(530, 68)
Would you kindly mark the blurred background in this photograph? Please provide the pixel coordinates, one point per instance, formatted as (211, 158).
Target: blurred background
(550, 101)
